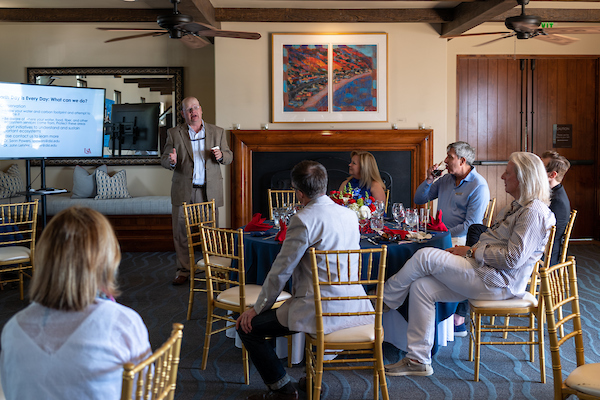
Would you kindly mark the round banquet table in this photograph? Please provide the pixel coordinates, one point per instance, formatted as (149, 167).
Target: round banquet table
(261, 249)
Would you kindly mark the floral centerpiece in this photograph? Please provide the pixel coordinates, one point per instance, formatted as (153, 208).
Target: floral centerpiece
(352, 199)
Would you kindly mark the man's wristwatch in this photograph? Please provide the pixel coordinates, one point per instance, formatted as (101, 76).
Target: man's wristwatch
(469, 253)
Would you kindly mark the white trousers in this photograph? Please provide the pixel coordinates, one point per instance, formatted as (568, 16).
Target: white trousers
(433, 275)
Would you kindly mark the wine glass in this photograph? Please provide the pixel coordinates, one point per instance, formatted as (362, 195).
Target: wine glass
(277, 214)
(398, 213)
(376, 222)
(412, 218)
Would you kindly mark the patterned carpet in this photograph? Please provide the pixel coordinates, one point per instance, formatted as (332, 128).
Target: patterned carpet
(145, 281)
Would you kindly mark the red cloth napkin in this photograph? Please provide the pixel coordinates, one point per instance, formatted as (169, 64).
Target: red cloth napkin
(436, 224)
(256, 224)
(400, 232)
(280, 236)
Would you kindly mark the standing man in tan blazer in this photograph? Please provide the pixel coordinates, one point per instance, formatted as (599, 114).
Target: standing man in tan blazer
(194, 151)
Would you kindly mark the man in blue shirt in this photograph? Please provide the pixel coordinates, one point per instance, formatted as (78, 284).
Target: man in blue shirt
(462, 193)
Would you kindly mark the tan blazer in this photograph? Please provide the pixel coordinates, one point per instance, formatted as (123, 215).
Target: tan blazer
(324, 225)
(181, 183)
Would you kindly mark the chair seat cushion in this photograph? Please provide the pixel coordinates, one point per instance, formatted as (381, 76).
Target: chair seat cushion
(14, 253)
(585, 379)
(222, 261)
(514, 302)
(231, 296)
(362, 333)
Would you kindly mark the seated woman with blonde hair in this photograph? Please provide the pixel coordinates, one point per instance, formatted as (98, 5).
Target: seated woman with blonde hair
(70, 342)
(364, 177)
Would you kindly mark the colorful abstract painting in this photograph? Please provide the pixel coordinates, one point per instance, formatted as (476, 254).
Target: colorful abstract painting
(305, 77)
(328, 78)
(355, 78)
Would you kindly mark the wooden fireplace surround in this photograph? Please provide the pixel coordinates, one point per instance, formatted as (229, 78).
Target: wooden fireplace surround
(244, 142)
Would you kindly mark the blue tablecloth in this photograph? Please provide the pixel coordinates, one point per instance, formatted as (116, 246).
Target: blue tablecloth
(261, 251)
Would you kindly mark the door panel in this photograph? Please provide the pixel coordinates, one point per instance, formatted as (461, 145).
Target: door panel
(503, 108)
(564, 92)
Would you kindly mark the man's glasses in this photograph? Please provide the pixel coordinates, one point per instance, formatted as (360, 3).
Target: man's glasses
(192, 109)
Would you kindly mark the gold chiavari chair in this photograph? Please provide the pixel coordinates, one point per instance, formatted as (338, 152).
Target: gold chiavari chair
(363, 343)
(196, 215)
(563, 253)
(488, 216)
(559, 290)
(18, 223)
(281, 198)
(531, 308)
(155, 378)
(238, 297)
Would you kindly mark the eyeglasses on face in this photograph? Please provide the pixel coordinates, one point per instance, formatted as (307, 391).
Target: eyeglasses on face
(192, 109)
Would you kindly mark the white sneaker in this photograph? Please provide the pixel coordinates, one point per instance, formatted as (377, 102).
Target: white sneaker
(406, 366)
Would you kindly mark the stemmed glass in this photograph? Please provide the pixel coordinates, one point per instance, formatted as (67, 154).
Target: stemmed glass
(412, 218)
(398, 213)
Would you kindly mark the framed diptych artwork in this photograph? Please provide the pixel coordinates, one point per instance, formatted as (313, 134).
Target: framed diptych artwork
(329, 77)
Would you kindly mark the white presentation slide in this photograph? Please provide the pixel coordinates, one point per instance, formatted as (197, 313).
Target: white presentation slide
(50, 121)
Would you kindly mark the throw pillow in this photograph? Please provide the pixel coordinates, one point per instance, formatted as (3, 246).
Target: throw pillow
(84, 184)
(111, 187)
(11, 182)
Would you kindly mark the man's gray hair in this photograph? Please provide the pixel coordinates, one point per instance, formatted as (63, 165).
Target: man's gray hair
(463, 150)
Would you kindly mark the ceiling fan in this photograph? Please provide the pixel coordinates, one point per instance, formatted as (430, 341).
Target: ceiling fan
(528, 26)
(181, 26)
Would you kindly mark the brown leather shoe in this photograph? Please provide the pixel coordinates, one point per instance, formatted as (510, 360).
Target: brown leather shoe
(180, 280)
(271, 395)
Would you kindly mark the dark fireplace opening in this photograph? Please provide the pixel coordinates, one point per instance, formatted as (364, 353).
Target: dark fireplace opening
(271, 170)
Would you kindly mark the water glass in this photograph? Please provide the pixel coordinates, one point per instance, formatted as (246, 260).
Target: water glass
(412, 218)
(277, 214)
(376, 222)
(424, 219)
(398, 213)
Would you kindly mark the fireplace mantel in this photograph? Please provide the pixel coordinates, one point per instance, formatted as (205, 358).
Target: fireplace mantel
(244, 142)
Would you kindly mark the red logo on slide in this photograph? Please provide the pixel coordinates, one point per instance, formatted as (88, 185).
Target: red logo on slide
(87, 151)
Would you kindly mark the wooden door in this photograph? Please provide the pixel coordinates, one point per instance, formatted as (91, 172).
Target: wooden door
(507, 104)
(564, 92)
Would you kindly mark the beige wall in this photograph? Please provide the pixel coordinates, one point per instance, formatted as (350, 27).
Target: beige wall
(421, 75)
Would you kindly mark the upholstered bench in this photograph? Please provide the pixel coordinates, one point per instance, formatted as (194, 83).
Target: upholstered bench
(141, 223)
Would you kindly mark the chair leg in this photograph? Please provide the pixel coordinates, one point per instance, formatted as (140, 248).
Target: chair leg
(375, 384)
(310, 369)
(506, 325)
(381, 373)
(207, 335)
(540, 333)
(318, 368)
(191, 300)
(21, 283)
(471, 335)
(246, 365)
(477, 345)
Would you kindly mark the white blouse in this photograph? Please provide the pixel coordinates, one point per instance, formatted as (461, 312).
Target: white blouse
(52, 354)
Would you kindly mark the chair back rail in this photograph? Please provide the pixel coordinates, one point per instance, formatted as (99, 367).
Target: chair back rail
(279, 198)
(155, 377)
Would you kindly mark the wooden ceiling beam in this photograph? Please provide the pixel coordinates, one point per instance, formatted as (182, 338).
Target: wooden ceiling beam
(556, 15)
(80, 14)
(426, 15)
(469, 15)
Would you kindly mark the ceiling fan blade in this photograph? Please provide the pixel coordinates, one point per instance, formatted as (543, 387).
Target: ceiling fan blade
(556, 39)
(494, 40)
(194, 42)
(136, 36)
(478, 34)
(574, 30)
(209, 31)
(132, 29)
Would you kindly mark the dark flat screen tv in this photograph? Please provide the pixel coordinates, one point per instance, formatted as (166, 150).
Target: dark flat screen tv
(139, 124)
(50, 121)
